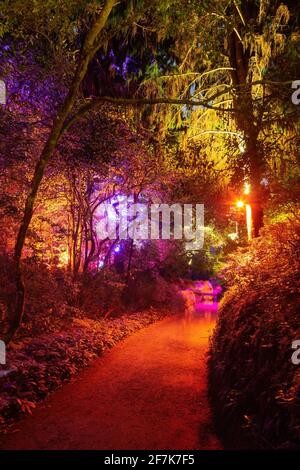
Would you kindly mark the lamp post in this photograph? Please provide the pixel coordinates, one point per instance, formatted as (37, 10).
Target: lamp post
(248, 209)
(249, 221)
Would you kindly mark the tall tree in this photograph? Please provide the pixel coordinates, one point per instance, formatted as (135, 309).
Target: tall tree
(90, 46)
(228, 53)
(211, 55)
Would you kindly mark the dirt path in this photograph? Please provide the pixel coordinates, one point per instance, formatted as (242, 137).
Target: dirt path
(149, 393)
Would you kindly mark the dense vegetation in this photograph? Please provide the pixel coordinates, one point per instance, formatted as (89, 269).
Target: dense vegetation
(158, 102)
(254, 385)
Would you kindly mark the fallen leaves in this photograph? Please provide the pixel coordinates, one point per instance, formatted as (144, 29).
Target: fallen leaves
(43, 364)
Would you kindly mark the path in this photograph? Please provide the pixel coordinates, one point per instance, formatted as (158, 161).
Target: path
(149, 393)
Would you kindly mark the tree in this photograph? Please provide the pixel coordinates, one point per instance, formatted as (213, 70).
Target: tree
(207, 59)
(230, 55)
(89, 48)
(67, 115)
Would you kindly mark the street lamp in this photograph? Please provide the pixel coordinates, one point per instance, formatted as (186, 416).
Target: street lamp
(240, 204)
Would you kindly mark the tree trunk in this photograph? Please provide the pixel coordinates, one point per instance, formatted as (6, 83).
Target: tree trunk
(129, 262)
(90, 47)
(246, 123)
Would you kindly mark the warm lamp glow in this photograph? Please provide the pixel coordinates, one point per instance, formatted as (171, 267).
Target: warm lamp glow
(249, 221)
(240, 204)
(247, 188)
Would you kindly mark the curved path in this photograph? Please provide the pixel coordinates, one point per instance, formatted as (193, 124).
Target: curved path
(149, 393)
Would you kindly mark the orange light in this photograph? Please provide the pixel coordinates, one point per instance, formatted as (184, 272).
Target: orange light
(240, 204)
(249, 221)
(247, 188)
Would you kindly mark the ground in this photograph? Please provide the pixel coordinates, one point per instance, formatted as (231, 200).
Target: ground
(149, 392)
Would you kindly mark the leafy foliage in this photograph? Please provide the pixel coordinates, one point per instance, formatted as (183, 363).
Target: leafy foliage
(253, 384)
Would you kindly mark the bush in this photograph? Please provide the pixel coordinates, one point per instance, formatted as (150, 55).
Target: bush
(48, 294)
(148, 288)
(100, 296)
(253, 385)
(54, 297)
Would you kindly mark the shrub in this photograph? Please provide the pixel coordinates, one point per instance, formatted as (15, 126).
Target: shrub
(148, 288)
(253, 385)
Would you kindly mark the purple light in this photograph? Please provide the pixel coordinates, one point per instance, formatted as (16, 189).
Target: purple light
(117, 249)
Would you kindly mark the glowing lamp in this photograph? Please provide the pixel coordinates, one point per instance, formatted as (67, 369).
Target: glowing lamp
(117, 249)
(247, 188)
(240, 204)
(233, 236)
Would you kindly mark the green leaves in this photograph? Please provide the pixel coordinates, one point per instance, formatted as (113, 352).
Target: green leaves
(50, 24)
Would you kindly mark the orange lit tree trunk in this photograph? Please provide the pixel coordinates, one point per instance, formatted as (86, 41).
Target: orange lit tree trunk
(90, 47)
(246, 123)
